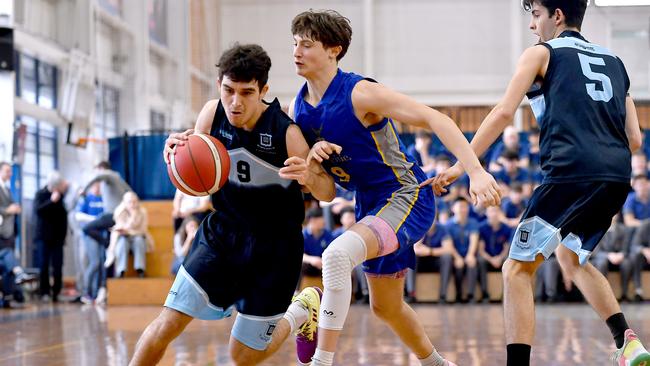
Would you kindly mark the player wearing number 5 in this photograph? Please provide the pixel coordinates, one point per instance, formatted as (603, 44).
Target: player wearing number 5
(348, 121)
(588, 128)
(248, 253)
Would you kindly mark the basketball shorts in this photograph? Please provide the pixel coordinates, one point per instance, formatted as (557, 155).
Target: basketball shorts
(230, 269)
(409, 211)
(576, 215)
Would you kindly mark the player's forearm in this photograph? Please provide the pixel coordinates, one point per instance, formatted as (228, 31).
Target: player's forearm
(453, 139)
(322, 187)
(490, 129)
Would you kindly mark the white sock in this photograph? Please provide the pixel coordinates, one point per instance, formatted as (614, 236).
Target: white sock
(296, 315)
(17, 270)
(322, 358)
(434, 359)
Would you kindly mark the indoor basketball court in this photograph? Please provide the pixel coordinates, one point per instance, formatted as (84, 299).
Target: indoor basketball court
(119, 224)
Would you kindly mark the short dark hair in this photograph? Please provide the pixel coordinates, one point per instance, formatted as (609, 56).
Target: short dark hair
(244, 63)
(103, 165)
(639, 176)
(510, 155)
(573, 10)
(328, 27)
(517, 187)
(314, 212)
(347, 209)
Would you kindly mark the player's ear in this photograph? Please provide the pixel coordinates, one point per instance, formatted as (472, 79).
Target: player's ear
(559, 17)
(265, 89)
(335, 51)
(218, 84)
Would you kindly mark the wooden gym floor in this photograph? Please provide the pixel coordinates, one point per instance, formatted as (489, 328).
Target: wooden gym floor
(471, 335)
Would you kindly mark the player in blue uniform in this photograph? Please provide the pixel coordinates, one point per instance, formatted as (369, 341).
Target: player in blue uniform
(248, 253)
(589, 127)
(348, 121)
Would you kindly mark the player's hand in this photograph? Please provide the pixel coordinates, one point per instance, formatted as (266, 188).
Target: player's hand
(483, 189)
(296, 168)
(443, 179)
(174, 139)
(322, 151)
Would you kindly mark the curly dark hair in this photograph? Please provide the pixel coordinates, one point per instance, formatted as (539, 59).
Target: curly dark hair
(325, 26)
(244, 63)
(574, 10)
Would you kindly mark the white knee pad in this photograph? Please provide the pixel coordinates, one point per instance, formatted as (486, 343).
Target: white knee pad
(340, 257)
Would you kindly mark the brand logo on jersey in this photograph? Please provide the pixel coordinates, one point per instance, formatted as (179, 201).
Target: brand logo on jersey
(226, 135)
(173, 293)
(265, 140)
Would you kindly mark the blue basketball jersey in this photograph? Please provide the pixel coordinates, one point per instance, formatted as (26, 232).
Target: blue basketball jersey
(373, 159)
(580, 108)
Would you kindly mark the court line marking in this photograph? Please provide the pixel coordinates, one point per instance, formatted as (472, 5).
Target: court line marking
(39, 350)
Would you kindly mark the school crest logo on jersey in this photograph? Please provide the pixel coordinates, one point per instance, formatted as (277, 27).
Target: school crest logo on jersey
(265, 140)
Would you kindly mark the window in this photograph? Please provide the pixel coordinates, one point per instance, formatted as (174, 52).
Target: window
(158, 21)
(40, 154)
(36, 81)
(157, 121)
(107, 102)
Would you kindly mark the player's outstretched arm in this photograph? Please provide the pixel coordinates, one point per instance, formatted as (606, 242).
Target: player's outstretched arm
(632, 129)
(310, 175)
(373, 98)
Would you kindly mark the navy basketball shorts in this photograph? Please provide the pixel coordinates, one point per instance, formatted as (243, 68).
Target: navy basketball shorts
(409, 211)
(576, 215)
(227, 268)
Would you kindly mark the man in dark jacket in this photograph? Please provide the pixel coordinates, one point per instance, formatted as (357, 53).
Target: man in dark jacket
(51, 229)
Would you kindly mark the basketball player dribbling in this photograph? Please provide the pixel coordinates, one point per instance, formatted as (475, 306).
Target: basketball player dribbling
(248, 253)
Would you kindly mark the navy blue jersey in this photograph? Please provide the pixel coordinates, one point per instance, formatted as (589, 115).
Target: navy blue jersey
(316, 245)
(434, 240)
(255, 197)
(580, 108)
(460, 234)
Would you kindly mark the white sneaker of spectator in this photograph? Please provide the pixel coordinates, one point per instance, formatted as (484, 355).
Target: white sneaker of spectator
(101, 296)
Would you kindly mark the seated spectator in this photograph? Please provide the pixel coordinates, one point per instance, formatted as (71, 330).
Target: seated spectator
(183, 241)
(639, 164)
(185, 206)
(494, 244)
(317, 238)
(464, 233)
(434, 254)
(89, 208)
(637, 204)
(546, 280)
(513, 173)
(613, 253)
(513, 205)
(422, 150)
(509, 141)
(533, 149)
(130, 234)
(12, 274)
(347, 220)
(640, 251)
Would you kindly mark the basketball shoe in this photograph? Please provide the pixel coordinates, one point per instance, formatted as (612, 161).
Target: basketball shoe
(307, 335)
(632, 353)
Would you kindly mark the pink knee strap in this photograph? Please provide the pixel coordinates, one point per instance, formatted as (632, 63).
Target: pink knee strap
(385, 234)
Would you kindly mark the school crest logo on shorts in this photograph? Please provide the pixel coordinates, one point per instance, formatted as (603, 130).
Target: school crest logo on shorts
(523, 239)
(270, 329)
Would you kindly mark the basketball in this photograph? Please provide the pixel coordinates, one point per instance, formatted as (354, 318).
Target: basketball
(200, 167)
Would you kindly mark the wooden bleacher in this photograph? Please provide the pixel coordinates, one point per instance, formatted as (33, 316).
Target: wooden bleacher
(151, 290)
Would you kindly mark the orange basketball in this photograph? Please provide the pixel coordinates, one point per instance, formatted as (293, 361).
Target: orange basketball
(200, 167)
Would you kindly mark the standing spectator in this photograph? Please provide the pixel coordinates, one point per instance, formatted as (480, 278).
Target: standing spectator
(51, 229)
(183, 241)
(317, 238)
(639, 164)
(113, 188)
(130, 234)
(89, 208)
(8, 209)
(494, 245)
(464, 233)
(640, 252)
(613, 253)
(637, 204)
(434, 254)
(509, 141)
(185, 206)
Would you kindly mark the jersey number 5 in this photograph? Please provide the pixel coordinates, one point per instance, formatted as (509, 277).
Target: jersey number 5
(598, 95)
